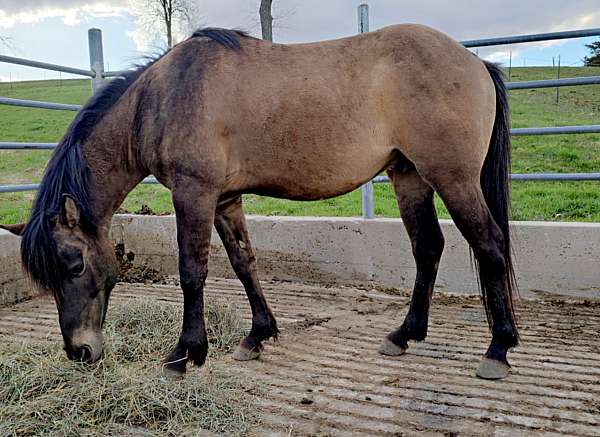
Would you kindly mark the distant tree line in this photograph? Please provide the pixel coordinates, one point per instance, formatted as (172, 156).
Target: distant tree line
(593, 60)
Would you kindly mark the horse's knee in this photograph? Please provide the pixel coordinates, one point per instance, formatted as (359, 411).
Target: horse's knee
(428, 250)
(244, 264)
(191, 279)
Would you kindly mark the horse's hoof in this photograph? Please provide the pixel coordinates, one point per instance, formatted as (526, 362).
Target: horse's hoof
(171, 373)
(244, 354)
(390, 349)
(492, 369)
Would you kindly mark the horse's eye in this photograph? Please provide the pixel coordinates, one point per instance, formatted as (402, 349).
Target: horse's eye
(77, 269)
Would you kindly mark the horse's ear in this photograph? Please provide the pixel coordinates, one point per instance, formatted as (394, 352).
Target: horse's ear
(69, 212)
(15, 229)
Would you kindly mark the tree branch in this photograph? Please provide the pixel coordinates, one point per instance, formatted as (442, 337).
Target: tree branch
(6, 42)
(171, 19)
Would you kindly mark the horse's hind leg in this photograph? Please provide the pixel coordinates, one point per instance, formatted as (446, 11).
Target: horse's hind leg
(469, 210)
(415, 199)
(231, 226)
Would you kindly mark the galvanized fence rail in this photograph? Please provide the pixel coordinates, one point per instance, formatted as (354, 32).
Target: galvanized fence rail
(98, 76)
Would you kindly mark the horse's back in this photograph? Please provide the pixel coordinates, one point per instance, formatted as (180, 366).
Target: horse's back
(293, 116)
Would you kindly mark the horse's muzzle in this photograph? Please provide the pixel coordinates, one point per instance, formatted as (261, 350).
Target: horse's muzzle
(83, 354)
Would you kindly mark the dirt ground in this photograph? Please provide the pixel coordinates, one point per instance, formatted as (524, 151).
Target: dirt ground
(324, 375)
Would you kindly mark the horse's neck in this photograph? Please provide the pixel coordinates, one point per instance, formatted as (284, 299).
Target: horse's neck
(115, 173)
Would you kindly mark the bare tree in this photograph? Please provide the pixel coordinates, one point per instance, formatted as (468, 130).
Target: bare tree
(167, 17)
(266, 19)
(6, 42)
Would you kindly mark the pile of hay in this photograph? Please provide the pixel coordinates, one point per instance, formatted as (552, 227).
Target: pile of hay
(41, 392)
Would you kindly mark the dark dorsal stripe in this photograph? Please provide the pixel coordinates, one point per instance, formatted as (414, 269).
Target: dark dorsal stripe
(67, 171)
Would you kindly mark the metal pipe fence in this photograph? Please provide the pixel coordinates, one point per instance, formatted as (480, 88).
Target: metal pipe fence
(46, 66)
(27, 146)
(34, 187)
(536, 37)
(367, 190)
(553, 83)
(37, 104)
(98, 76)
(559, 130)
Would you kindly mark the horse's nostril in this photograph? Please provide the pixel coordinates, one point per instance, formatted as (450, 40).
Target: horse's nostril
(84, 353)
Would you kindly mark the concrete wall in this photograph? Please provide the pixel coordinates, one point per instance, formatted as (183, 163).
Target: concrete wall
(551, 258)
(14, 286)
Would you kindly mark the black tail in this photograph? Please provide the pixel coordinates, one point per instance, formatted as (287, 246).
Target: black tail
(495, 176)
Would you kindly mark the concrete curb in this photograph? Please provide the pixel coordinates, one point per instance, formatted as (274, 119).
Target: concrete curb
(14, 285)
(551, 258)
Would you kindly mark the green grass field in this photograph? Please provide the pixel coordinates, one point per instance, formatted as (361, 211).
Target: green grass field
(563, 201)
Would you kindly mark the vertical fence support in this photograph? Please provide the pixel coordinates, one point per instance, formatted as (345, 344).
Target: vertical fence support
(368, 203)
(558, 77)
(96, 58)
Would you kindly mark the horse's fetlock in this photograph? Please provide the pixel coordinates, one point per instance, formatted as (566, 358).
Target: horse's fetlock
(197, 350)
(419, 334)
(264, 329)
(399, 338)
(505, 334)
(414, 328)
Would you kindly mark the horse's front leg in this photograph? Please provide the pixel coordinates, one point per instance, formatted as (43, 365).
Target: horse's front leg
(231, 226)
(195, 210)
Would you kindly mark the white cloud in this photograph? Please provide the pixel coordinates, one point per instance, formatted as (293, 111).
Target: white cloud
(145, 41)
(311, 20)
(10, 78)
(71, 12)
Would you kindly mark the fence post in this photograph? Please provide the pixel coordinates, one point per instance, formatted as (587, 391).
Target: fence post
(558, 77)
(368, 202)
(96, 58)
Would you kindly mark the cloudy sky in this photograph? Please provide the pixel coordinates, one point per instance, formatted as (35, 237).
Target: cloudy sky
(56, 30)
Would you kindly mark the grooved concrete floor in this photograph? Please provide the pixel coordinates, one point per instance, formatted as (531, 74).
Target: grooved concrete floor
(326, 378)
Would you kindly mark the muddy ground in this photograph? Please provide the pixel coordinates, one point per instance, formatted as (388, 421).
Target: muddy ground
(324, 375)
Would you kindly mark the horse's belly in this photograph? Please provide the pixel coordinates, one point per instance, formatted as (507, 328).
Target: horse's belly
(308, 179)
(303, 189)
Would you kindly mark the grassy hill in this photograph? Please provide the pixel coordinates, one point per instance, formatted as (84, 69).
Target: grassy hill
(578, 201)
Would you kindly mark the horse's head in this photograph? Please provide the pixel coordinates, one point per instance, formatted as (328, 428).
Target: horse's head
(80, 269)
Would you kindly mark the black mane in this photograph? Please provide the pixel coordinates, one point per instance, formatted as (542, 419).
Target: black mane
(229, 38)
(67, 172)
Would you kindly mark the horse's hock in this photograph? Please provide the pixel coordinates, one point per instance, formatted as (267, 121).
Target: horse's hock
(324, 375)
